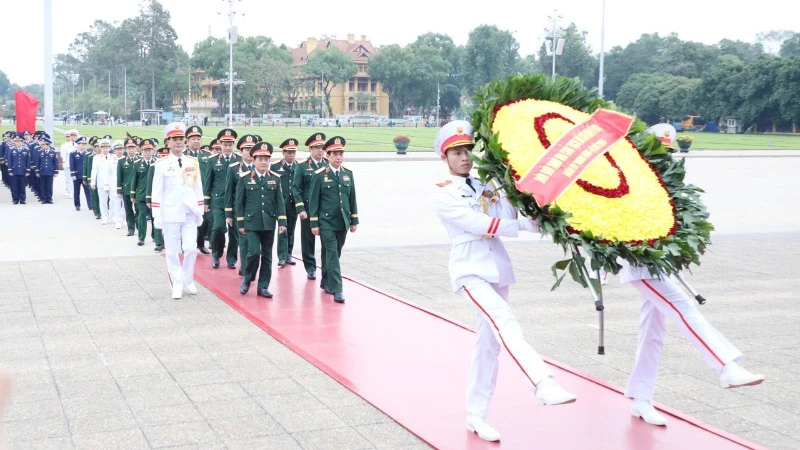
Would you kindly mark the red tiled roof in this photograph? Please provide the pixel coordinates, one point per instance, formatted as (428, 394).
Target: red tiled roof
(360, 51)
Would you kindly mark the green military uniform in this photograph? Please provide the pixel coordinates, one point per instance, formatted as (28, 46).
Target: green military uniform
(333, 209)
(234, 173)
(157, 233)
(301, 190)
(125, 174)
(139, 191)
(286, 171)
(258, 205)
(214, 185)
(87, 175)
(205, 227)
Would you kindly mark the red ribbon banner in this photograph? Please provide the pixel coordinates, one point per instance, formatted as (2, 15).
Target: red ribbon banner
(567, 158)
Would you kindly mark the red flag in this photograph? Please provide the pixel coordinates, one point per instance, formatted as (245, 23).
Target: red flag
(27, 105)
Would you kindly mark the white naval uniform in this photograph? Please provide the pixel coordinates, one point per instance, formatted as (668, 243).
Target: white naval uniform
(662, 299)
(177, 204)
(481, 272)
(67, 148)
(104, 177)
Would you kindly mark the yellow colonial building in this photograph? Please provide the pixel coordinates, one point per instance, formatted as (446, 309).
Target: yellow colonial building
(360, 96)
(204, 96)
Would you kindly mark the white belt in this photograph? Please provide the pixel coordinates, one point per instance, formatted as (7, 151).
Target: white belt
(469, 237)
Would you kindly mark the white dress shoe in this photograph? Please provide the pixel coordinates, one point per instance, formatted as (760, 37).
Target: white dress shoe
(103, 222)
(550, 393)
(645, 410)
(119, 225)
(733, 376)
(177, 292)
(190, 289)
(482, 428)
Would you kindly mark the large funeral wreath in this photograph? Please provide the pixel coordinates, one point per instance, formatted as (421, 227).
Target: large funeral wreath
(631, 202)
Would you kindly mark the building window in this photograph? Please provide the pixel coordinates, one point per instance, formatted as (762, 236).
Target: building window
(373, 107)
(352, 84)
(372, 85)
(362, 85)
(350, 105)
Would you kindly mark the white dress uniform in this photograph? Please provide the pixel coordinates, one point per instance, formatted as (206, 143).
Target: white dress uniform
(104, 178)
(662, 299)
(67, 148)
(177, 204)
(115, 205)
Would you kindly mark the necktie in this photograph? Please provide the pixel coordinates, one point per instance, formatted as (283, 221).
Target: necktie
(180, 164)
(469, 183)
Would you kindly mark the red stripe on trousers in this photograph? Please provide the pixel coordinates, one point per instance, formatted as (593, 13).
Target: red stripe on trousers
(501, 336)
(684, 321)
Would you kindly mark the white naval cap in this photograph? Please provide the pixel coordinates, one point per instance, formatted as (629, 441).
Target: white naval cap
(117, 144)
(175, 129)
(665, 133)
(104, 142)
(455, 133)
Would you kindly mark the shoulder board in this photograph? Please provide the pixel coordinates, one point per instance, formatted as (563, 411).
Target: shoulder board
(190, 156)
(215, 155)
(301, 162)
(320, 169)
(275, 173)
(233, 164)
(244, 174)
(345, 168)
(444, 183)
(162, 158)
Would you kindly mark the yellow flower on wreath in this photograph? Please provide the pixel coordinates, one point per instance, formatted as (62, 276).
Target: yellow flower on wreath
(623, 203)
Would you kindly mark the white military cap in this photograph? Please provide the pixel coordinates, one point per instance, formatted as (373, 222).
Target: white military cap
(105, 142)
(453, 134)
(175, 129)
(117, 144)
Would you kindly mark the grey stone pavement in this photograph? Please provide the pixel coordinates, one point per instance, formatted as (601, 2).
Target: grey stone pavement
(102, 358)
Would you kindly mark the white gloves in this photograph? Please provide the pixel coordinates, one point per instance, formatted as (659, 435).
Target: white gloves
(528, 224)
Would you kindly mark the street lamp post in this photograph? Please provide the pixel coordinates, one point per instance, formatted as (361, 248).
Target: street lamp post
(555, 46)
(602, 51)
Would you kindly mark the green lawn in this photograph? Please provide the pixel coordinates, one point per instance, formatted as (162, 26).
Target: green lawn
(358, 139)
(380, 139)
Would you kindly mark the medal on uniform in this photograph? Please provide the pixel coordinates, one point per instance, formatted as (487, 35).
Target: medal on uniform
(188, 176)
(345, 178)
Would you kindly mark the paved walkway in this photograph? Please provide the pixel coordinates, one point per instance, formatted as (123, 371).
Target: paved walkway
(104, 359)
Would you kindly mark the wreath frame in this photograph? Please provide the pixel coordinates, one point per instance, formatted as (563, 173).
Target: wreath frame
(666, 255)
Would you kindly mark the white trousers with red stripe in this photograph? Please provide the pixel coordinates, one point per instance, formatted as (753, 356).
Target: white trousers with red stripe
(496, 328)
(180, 237)
(662, 299)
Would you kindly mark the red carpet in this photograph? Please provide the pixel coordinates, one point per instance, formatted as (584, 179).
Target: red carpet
(412, 365)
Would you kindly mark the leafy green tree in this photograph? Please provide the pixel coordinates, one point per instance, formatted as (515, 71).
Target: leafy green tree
(490, 53)
(333, 67)
(744, 51)
(791, 46)
(787, 90)
(719, 91)
(4, 84)
(657, 97)
(391, 66)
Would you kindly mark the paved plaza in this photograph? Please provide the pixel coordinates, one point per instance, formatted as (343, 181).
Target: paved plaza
(103, 358)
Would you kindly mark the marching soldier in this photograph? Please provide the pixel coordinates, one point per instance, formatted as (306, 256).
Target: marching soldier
(481, 272)
(214, 185)
(76, 161)
(125, 173)
(66, 149)
(158, 235)
(333, 211)
(5, 146)
(94, 144)
(36, 150)
(177, 202)
(194, 141)
(259, 205)
(301, 191)
(244, 145)
(139, 188)
(18, 159)
(47, 169)
(285, 169)
(104, 169)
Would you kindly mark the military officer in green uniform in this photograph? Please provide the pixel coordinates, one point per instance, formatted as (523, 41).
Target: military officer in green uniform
(194, 148)
(300, 191)
(285, 169)
(139, 192)
(259, 205)
(125, 173)
(244, 145)
(333, 211)
(94, 142)
(214, 184)
(158, 234)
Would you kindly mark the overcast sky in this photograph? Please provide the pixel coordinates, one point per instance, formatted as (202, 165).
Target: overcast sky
(291, 22)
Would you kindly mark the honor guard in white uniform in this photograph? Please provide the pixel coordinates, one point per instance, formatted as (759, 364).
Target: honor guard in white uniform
(475, 216)
(104, 177)
(177, 203)
(66, 148)
(662, 298)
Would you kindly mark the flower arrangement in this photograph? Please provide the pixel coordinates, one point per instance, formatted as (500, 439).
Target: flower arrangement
(685, 139)
(630, 203)
(401, 140)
